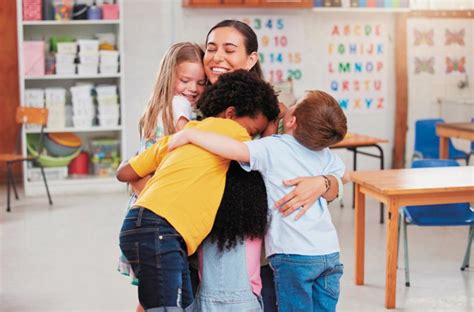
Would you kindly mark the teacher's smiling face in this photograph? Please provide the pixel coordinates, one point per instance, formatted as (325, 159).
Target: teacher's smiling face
(226, 52)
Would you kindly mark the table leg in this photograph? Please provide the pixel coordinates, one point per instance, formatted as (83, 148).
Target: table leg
(443, 147)
(382, 167)
(391, 264)
(354, 168)
(359, 235)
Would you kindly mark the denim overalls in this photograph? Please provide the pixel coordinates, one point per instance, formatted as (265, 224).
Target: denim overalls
(225, 284)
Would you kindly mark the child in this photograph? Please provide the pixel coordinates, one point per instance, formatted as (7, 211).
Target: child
(176, 209)
(229, 258)
(178, 86)
(304, 253)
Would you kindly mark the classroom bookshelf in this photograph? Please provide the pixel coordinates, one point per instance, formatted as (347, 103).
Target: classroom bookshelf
(43, 30)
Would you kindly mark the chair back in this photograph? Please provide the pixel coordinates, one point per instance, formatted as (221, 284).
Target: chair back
(442, 214)
(32, 115)
(426, 140)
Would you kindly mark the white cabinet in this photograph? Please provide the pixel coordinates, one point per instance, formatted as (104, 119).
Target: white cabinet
(44, 30)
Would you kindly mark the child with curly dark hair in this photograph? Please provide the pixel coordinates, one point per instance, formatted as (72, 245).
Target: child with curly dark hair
(176, 209)
(303, 253)
(229, 258)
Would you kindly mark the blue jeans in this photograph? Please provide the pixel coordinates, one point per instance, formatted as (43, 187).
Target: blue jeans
(158, 257)
(306, 283)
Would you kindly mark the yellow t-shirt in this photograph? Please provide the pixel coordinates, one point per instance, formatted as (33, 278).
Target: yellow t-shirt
(188, 183)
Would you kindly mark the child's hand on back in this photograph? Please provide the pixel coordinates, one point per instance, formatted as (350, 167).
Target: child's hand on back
(179, 139)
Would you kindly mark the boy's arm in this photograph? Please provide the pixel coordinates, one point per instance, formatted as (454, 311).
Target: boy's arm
(215, 143)
(182, 121)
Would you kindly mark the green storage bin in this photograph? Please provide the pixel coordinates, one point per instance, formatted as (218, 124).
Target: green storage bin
(32, 141)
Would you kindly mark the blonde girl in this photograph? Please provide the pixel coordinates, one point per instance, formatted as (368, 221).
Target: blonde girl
(178, 85)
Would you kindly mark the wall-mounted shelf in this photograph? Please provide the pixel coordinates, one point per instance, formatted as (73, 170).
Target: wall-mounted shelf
(74, 129)
(65, 77)
(442, 13)
(239, 4)
(71, 23)
(360, 10)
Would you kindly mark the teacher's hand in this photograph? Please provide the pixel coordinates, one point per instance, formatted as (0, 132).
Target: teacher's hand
(307, 190)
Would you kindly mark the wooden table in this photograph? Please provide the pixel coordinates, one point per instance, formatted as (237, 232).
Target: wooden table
(352, 142)
(404, 187)
(459, 130)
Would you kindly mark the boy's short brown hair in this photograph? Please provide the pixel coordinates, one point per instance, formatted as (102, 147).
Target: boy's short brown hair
(320, 121)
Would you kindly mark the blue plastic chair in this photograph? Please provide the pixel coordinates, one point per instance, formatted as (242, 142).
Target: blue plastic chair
(427, 142)
(436, 215)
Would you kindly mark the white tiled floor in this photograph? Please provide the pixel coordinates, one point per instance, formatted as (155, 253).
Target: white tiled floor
(63, 258)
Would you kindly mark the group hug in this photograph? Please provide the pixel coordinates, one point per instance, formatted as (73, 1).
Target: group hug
(230, 188)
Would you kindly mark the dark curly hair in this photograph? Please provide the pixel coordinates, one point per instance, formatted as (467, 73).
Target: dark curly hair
(249, 94)
(243, 209)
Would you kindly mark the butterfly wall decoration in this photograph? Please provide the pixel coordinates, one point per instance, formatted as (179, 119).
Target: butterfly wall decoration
(453, 37)
(424, 37)
(424, 65)
(455, 65)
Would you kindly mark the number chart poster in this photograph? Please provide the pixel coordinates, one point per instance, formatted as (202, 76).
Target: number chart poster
(280, 42)
(357, 65)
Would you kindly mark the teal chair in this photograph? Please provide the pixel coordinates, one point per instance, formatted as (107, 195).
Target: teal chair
(460, 214)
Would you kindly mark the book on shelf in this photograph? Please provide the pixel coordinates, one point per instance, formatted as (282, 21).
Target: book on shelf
(371, 3)
(362, 3)
(327, 3)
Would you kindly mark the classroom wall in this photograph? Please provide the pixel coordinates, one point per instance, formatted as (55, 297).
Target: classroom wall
(151, 26)
(432, 44)
(148, 32)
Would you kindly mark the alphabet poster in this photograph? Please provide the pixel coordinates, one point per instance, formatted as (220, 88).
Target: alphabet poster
(357, 58)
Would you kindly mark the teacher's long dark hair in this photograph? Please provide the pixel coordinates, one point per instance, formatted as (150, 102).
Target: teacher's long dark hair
(243, 210)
